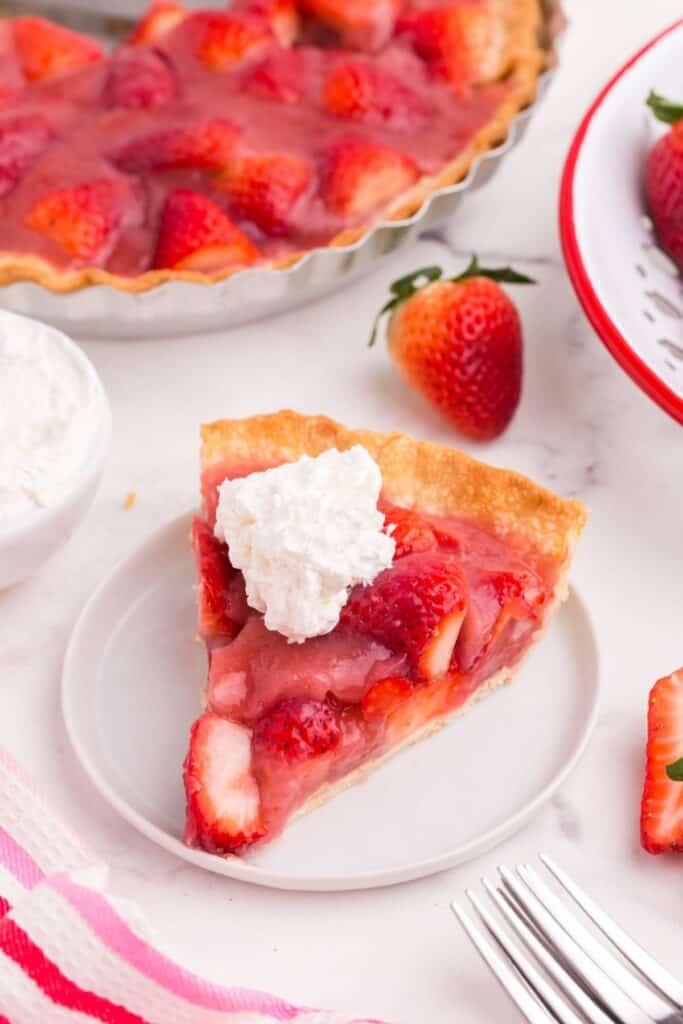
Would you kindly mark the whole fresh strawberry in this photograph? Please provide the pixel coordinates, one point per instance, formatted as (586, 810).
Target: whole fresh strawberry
(664, 178)
(459, 343)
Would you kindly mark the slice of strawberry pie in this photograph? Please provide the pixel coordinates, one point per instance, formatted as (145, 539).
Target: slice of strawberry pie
(356, 590)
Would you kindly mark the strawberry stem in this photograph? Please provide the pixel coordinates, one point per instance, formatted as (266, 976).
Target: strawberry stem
(675, 771)
(411, 284)
(665, 110)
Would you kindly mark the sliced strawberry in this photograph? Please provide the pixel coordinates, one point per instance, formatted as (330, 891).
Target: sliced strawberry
(496, 598)
(362, 24)
(46, 49)
(360, 176)
(385, 696)
(297, 729)
(225, 38)
(661, 819)
(281, 76)
(195, 234)
(281, 15)
(81, 219)
(162, 17)
(265, 188)
(23, 137)
(222, 794)
(415, 607)
(140, 79)
(205, 146)
(358, 90)
(463, 42)
(409, 531)
(222, 601)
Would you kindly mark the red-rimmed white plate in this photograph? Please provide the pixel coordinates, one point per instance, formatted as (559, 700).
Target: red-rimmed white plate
(630, 291)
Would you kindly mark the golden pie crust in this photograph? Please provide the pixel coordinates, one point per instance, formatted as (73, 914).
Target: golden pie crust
(524, 60)
(435, 478)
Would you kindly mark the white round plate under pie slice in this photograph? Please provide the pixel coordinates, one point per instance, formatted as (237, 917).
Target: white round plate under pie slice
(131, 689)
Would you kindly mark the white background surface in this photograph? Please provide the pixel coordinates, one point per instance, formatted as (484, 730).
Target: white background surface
(583, 428)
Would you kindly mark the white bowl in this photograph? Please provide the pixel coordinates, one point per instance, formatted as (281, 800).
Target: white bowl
(630, 290)
(26, 543)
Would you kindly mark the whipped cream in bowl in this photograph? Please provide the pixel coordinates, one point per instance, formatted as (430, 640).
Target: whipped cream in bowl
(303, 534)
(55, 432)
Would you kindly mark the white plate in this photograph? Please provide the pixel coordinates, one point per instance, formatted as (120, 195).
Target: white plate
(131, 684)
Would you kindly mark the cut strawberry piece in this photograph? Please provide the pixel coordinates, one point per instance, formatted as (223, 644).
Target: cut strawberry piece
(362, 24)
(416, 607)
(195, 234)
(205, 146)
(23, 137)
(140, 79)
(162, 17)
(496, 598)
(281, 76)
(222, 600)
(281, 15)
(297, 729)
(222, 794)
(385, 696)
(463, 42)
(224, 39)
(81, 219)
(409, 531)
(661, 820)
(356, 90)
(266, 187)
(360, 176)
(46, 49)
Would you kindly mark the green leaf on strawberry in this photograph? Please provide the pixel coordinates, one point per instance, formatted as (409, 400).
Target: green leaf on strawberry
(665, 110)
(675, 771)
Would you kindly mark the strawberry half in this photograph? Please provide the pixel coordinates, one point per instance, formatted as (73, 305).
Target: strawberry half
(459, 343)
(195, 234)
(225, 38)
(661, 818)
(496, 599)
(360, 176)
(139, 79)
(23, 137)
(463, 42)
(356, 90)
(265, 188)
(222, 601)
(415, 607)
(222, 794)
(409, 531)
(297, 729)
(46, 49)
(81, 219)
(664, 178)
(162, 17)
(205, 146)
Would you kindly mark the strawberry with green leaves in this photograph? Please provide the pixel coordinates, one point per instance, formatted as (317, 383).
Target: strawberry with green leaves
(664, 178)
(661, 819)
(458, 342)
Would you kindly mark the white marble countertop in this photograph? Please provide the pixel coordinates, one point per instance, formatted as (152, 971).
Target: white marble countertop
(583, 428)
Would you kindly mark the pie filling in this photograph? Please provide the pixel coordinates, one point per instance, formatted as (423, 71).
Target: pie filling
(215, 139)
(283, 721)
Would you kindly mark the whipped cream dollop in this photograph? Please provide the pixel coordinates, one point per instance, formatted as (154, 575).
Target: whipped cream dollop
(50, 411)
(303, 534)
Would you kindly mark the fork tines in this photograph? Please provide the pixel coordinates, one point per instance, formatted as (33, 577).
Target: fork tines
(553, 966)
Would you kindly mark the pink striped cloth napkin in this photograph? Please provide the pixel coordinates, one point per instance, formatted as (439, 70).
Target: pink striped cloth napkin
(70, 953)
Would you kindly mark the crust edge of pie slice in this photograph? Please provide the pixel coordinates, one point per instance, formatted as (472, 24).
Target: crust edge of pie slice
(440, 482)
(524, 61)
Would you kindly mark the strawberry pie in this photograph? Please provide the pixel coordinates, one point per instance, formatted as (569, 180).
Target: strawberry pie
(218, 139)
(356, 590)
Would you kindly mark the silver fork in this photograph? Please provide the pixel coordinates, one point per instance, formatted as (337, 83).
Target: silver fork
(555, 968)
